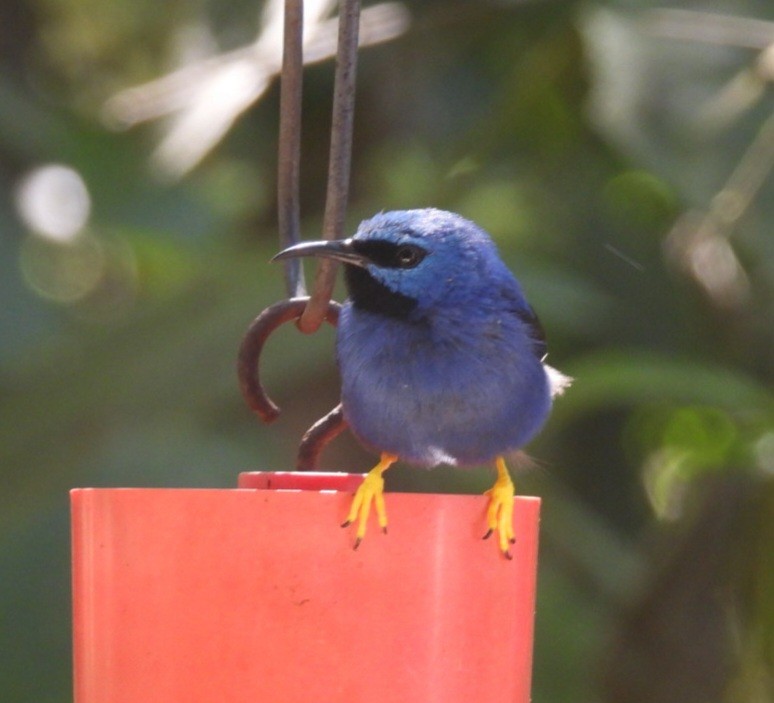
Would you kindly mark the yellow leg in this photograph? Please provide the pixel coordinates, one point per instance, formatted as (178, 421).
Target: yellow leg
(370, 491)
(499, 514)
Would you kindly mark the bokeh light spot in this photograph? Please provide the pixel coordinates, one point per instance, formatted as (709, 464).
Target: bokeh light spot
(62, 272)
(53, 202)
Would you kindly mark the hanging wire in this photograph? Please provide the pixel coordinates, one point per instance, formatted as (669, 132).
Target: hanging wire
(289, 152)
(309, 312)
(339, 162)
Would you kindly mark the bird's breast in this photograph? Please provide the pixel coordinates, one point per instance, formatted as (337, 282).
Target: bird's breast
(431, 392)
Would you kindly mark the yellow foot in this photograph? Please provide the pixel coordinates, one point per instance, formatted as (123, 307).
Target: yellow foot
(499, 514)
(370, 491)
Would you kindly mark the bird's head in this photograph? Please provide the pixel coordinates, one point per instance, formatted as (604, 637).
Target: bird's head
(411, 260)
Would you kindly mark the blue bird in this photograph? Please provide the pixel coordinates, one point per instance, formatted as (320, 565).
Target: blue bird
(441, 357)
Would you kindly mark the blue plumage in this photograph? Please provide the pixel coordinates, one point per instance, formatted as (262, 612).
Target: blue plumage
(457, 378)
(441, 356)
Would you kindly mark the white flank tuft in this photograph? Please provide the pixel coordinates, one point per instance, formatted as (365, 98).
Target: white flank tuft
(557, 381)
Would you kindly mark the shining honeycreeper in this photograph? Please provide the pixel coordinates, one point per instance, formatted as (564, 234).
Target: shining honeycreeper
(441, 357)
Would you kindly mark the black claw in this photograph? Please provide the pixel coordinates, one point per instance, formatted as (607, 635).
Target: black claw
(346, 523)
(488, 534)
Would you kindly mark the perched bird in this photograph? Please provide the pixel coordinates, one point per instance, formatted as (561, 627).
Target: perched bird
(441, 357)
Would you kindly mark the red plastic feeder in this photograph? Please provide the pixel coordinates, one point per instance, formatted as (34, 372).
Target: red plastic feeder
(256, 595)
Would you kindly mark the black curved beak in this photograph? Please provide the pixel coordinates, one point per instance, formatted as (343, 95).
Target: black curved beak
(339, 249)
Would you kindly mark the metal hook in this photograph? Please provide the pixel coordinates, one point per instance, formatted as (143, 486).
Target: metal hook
(317, 437)
(248, 368)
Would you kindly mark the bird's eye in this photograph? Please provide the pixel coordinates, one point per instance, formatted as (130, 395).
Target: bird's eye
(408, 256)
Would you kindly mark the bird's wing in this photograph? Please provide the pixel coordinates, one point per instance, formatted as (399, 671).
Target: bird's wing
(536, 332)
(557, 381)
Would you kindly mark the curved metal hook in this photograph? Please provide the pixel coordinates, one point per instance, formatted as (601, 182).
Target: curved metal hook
(317, 437)
(324, 430)
(252, 345)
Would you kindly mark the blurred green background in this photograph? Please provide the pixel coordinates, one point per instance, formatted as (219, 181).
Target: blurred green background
(619, 152)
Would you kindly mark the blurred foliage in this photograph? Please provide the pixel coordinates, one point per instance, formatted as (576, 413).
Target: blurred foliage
(621, 155)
